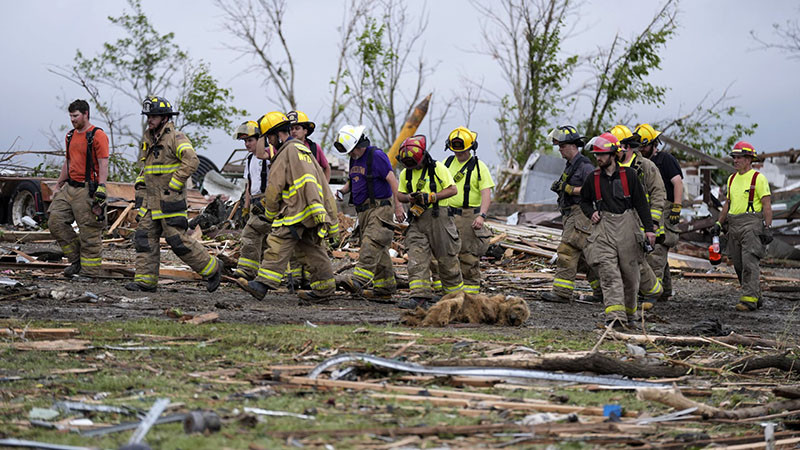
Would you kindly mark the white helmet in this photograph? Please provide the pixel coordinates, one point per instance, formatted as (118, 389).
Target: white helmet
(349, 136)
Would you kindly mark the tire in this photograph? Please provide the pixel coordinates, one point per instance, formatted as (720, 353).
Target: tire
(205, 166)
(25, 201)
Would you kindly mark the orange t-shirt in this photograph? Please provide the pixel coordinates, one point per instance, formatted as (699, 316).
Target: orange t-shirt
(77, 154)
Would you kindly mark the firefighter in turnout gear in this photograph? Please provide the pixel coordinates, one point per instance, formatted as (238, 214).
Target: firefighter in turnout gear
(470, 205)
(372, 186)
(650, 287)
(255, 231)
(80, 194)
(672, 176)
(612, 197)
(576, 225)
(168, 161)
(426, 184)
(300, 205)
(748, 213)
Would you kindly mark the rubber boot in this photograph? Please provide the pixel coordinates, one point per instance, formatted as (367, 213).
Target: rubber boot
(213, 281)
(134, 286)
(72, 269)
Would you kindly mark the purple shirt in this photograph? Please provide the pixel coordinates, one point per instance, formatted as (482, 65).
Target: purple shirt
(380, 169)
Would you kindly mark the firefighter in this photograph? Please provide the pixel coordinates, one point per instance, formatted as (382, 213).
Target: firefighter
(168, 160)
(576, 226)
(748, 213)
(426, 184)
(650, 287)
(672, 176)
(256, 171)
(372, 185)
(469, 207)
(300, 205)
(612, 197)
(83, 199)
(301, 128)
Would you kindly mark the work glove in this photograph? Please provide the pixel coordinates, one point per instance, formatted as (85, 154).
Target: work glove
(675, 213)
(139, 183)
(100, 194)
(556, 186)
(569, 189)
(767, 236)
(416, 198)
(716, 229)
(245, 213)
(425, 198)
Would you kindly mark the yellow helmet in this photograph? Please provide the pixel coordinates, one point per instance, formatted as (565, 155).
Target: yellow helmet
(647, 133)
(300, 118)
(272, 122)
(462, 139)
(246, 130)
(624, 135)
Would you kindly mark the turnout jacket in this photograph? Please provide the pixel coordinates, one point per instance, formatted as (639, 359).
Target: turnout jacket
(297, 192)
(613, 196)
(168, 160)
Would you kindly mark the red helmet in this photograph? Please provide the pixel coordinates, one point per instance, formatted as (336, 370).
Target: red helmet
(743, 148)
(605, 143)
(412, 150)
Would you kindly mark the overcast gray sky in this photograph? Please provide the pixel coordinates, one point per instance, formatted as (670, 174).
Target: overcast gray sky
(712, 50)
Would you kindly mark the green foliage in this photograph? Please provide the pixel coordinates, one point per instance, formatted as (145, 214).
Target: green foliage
(121, 168)
(48, 168)
(622, 72)
(145, 62)
(205, 107)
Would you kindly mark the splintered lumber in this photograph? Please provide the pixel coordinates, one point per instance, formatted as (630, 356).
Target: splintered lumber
(528, 249)
(731, 339)
(787, 391)
(62, 345)
(40, 333)
(674, 398)
(203, 318)
(26, 236)
(545, 429)
(573, 362)
(732, 276)
(447, 397)
(120, 218)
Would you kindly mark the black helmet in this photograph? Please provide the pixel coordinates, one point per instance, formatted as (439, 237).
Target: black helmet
(566, 134)
(157, 106)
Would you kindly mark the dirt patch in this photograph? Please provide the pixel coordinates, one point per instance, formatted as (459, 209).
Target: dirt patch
(695, 300)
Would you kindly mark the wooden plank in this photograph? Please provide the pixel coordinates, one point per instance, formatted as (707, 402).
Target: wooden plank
(528, 250)
(40, 333)
(731, 276)
(203, 318)
(26, 236)
(62, 345)
(121, 217)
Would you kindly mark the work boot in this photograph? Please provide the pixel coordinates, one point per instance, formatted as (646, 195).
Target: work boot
(380, 297)
(311, 297)
(239, 273)
(134, 286)
(72, 269)
(551, 296)
(350, 285)
(213, 281)
(617, 324)
(591, 298)
(747, 306)
(414, 303)
(255, 288)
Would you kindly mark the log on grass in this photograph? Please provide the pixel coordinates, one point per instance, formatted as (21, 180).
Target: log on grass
(758, 362)
(590, 362)
(675, 399)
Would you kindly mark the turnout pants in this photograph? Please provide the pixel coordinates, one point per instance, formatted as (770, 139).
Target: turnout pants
(281, 244)
(746, 250)
(473, 246)
(658, 259)
(615, 251)
(374, 263)
(254, 239)
(437, 237)
(571, 258)
(74, 204)
(148, 258)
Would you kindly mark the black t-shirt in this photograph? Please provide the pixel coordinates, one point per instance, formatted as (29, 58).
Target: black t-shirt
(669, 167)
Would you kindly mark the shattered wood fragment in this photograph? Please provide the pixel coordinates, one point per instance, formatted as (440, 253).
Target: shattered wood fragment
(674, 398)
(758, 362)
(731, 339)
(787, 391)
(202, 318)
(40, 333)
(62, 345)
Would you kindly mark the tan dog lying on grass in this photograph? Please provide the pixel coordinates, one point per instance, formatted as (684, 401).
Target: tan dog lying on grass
(459, 307)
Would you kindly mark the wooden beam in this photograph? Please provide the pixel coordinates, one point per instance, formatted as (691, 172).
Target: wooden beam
(40, 333)
(121, 217)
(699, 154)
